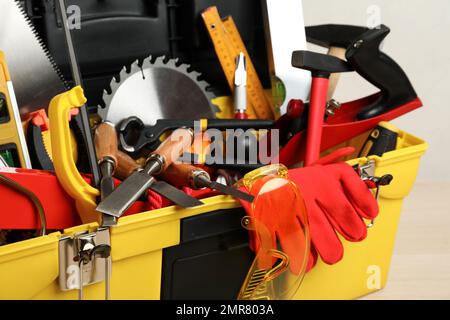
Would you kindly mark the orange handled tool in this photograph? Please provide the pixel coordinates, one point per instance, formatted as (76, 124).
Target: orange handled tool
(182, 175)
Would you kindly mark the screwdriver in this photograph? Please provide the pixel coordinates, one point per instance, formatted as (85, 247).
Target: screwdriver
(182, 175)
(240, 88)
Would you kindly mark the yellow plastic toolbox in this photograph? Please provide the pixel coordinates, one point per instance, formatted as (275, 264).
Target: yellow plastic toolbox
(150, 260)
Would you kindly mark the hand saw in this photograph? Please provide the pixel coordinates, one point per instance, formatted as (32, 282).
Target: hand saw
(285, 33)
(228, 45)
(36, 77)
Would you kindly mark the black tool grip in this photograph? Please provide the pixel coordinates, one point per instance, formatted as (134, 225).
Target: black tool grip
(333, 35)
(319, 64)
(240, 124)
(381, 140)
(379, 69)
(134, 135)
(40, 159)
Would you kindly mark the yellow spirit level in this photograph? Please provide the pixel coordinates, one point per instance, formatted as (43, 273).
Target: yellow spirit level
(13, 147)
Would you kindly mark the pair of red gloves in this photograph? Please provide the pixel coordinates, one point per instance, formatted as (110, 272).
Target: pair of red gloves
(336, 201)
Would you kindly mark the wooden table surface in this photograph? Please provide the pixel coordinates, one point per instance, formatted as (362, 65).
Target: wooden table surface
(420, 267)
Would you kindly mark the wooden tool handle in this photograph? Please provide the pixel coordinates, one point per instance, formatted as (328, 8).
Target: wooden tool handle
(179, 175)
(125, 165)
(334, 78)
(106, 144)
(175, 145)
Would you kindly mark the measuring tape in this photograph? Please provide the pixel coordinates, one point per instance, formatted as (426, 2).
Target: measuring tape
(228, 44)
(13, 147)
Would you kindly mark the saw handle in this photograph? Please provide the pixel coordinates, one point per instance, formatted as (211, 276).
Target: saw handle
(382, 71)
(106, 144)
(68, 175)
(174, 146)
(125, 165)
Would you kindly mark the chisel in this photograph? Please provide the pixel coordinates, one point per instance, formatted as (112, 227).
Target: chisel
(139, 181)
(181, 175)
(126, 165)
(106, 147)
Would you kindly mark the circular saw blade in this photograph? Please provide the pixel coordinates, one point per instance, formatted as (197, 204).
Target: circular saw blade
(157, 90)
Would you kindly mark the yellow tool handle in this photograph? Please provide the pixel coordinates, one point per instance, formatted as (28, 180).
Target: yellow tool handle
(4, 67)
(228, 44)
(65, 168)
(11, 129)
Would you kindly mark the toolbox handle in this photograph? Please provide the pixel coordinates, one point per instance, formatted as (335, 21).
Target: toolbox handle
(71, 180)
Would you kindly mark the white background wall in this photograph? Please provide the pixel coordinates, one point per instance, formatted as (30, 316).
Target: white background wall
(420, 42)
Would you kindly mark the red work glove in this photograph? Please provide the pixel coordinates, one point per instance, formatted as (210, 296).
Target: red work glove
(336, 199)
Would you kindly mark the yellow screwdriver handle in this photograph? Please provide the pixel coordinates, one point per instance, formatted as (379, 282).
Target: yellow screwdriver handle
(73, 183)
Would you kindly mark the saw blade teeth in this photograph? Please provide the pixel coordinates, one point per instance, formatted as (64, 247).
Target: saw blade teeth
(123, 72)
(41, 43)
(114, 85)
(184, 68)
(147, 62)
(172, 63)
(134, 68)
(160, 60)
(156, 62)
(205, 85)
(195, 74)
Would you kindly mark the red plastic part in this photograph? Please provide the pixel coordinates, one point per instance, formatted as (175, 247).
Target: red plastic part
(40, 119)
(317, 106)
(295, 108)
(240, 115)
(18, 212)
(342, 127)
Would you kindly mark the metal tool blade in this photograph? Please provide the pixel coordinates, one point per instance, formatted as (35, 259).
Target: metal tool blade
(134, 186)
(155, 90)
(107, 181)
(231, 191)
(36, 77)
(125, 194)
(175, 195)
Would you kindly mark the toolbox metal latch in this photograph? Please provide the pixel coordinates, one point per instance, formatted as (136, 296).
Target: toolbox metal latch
(85, 259)
(366, 171)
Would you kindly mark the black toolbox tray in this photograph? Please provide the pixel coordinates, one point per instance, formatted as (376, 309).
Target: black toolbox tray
(114, 33)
